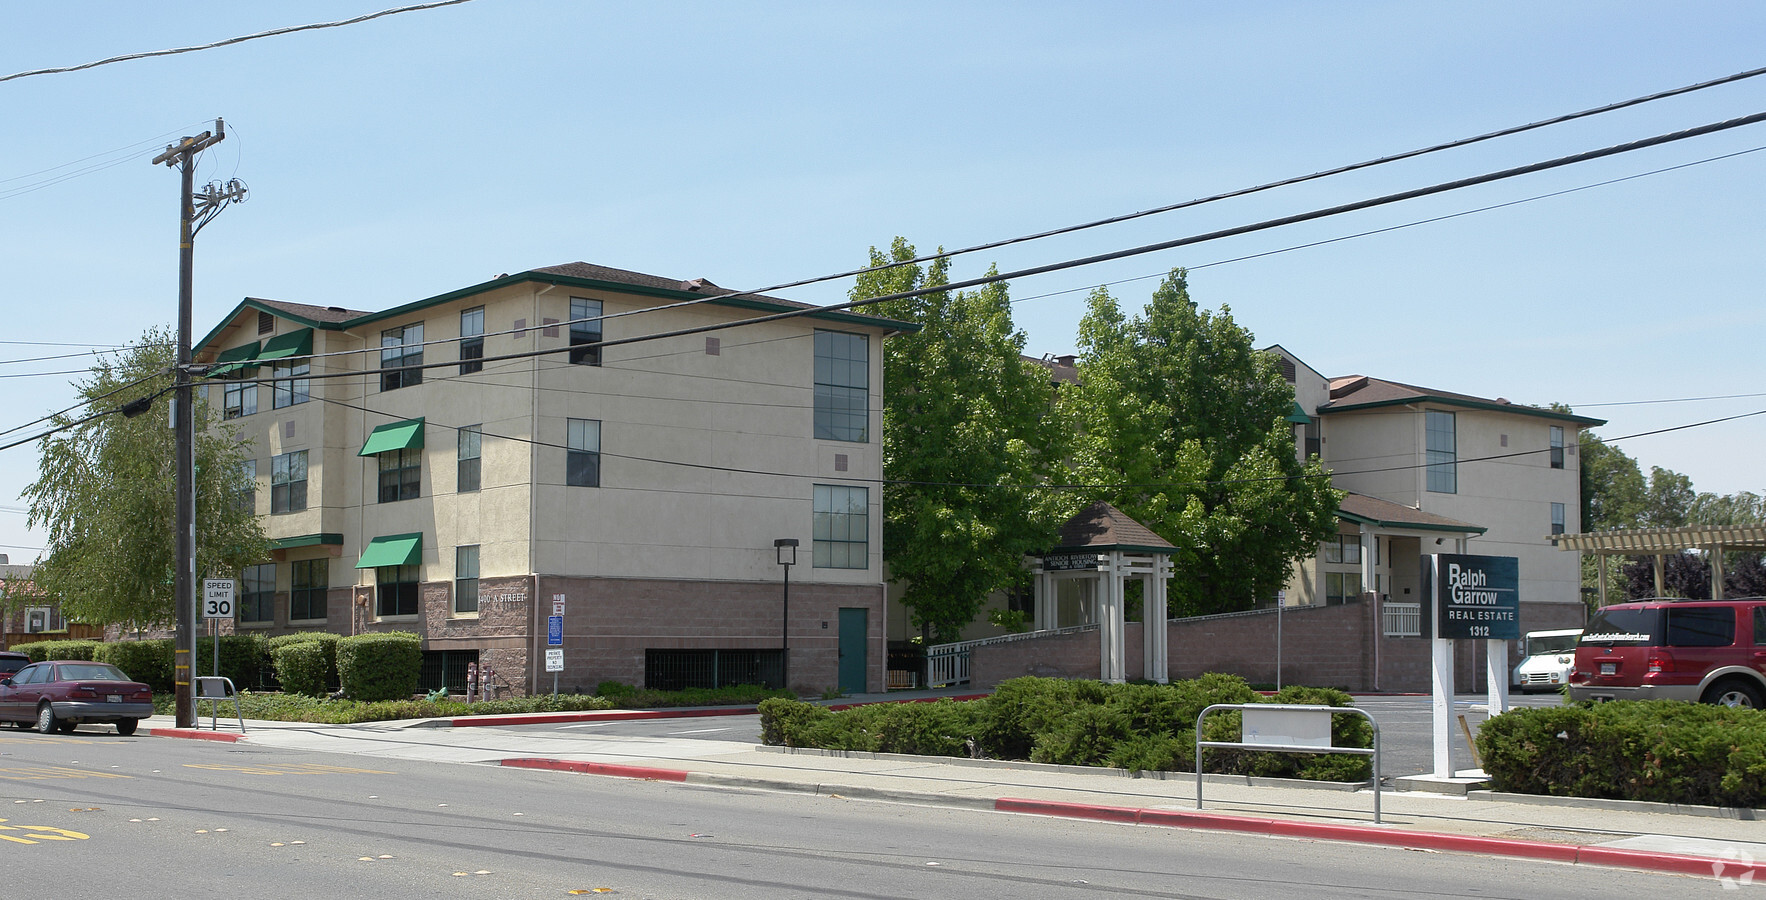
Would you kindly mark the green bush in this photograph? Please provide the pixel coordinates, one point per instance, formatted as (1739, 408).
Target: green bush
(1083, 723)
(380, 666)
(244, 657)
(305, 663)
(149, 662)
(614, 689)
(1659, 750)
(46, 650)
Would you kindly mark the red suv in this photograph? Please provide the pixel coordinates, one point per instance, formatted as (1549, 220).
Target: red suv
(1712, 651)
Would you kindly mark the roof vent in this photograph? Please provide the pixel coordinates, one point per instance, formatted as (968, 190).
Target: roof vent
(697, 284)
(336, 309)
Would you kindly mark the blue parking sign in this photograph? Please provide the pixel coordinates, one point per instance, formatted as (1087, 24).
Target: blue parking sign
(555, 631)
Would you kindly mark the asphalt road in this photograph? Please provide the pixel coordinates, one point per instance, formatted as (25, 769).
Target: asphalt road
(101, 815)
(1406, 728)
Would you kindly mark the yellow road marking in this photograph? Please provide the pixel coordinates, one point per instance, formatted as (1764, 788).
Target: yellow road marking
(297, 769)
(39, 773)
(34, 834)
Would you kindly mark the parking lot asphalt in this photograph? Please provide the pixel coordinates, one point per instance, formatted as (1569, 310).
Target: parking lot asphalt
(1725, 844)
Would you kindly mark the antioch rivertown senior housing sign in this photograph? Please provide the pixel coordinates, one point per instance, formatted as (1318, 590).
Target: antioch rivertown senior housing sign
(1474, 596)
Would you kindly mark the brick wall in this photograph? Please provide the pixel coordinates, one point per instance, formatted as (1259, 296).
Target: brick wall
(1326, 646)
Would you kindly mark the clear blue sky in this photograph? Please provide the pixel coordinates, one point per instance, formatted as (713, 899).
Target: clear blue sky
(758, 143)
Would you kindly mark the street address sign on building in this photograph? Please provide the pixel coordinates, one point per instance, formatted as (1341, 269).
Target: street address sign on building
(217, 598)
(1474, 596)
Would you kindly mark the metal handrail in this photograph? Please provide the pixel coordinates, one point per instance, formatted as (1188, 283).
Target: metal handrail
(1290, 748)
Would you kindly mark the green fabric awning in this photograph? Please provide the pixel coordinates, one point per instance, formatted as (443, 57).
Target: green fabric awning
(392, 550)
(294, 343)
(233, 360)
(307, 540)
(1298, 415)
(406, 435)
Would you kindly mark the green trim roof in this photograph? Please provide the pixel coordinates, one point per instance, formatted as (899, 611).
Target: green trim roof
(294, 343)
(406, 435)
(392, 550)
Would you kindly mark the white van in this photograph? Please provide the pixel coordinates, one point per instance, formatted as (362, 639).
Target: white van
(1547, 661)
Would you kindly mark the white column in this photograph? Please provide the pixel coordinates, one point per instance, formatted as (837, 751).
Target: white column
(1496, 675)
(1112, 629)
(1159, 652)
(1441, 663)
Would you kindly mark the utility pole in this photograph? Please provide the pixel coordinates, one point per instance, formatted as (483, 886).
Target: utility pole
(182, 155)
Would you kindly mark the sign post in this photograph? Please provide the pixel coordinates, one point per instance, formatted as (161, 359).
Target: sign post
(555, 638)
(1469, 597)
(217, 603)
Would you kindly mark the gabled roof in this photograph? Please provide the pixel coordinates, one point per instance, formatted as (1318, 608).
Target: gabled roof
(1101, 527)
(577, 274)
(1364, 510)
(1357, 392)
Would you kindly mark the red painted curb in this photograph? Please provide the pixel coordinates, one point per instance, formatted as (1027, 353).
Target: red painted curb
(194, 734)
(593, 768)
(1675, 863)
(615, 715)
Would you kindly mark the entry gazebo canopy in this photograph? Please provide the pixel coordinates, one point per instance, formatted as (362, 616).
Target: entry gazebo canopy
(1659, 542)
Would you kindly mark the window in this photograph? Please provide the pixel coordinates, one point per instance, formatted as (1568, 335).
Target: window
(472, 341)
(582, 464)
(1341, 587)
(257, 593)
(842, 527)
(1345, 548)
(1443, 475)
(466, 473)
(401, 350)
(288, 482)
(39, 619)
(1702, 626)
(239, 398)
(395, 591)
(1557, 448)
(1557, 518)
(582, 332)
(401, 474)
(296, 389)
(843, 387)
(308, 585)
(465, 580)
(248, 498)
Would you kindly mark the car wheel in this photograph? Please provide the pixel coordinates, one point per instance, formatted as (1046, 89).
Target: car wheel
(1733, 693)
(47, 723)
(127, 727)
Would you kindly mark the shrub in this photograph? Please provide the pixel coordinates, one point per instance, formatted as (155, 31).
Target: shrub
(47, 650)
(380, 666)
(1660, 750)
(614, 689)
(149, 662)
(305, 663)
(787, 723)
(243, 658)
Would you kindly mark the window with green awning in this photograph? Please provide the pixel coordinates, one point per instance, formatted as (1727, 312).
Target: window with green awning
(294, 343)
(233, 360)
(392, 550)
(406, 435)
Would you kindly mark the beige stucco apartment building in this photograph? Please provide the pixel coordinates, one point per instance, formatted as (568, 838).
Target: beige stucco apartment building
(576, 442)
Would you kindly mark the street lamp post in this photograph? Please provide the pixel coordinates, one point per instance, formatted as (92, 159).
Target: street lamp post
(786, 548)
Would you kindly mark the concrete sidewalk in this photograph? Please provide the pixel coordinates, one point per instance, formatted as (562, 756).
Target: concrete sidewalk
(1700, 841)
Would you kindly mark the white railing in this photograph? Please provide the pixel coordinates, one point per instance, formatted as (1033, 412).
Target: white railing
(948, 664)
(1402, 619)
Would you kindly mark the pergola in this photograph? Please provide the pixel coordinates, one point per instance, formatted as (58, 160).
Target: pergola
(1659, 542)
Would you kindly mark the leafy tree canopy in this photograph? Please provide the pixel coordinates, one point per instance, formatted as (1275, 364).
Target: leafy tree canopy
(1182, 424)
(105, 493)
(967, 443)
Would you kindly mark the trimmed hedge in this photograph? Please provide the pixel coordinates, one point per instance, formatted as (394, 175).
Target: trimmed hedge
(149, 662)
(383, 665)
(1141, 727)
(44, 650)
(305, 663)
(1660, 750)
(244, 657)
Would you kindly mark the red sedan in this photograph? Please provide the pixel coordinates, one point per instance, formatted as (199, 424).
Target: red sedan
(59, 695)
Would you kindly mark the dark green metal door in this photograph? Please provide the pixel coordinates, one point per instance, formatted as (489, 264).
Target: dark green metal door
(855, 626)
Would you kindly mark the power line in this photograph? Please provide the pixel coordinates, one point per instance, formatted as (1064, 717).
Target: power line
(234, 40)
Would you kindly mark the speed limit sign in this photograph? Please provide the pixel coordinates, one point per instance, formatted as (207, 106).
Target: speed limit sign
(217, 598)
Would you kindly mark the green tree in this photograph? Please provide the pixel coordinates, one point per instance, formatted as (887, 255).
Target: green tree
(1614, 492)
(1182, 424)
(105, 493)
(1668, 500)
(967, 440)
